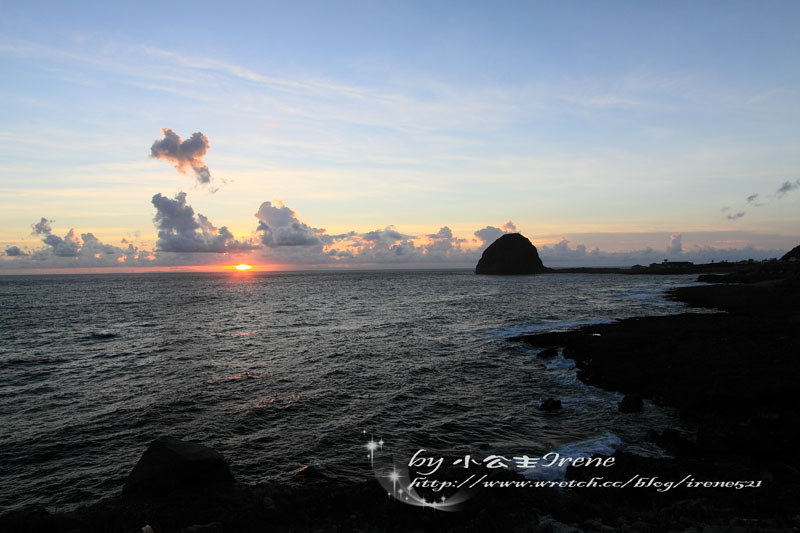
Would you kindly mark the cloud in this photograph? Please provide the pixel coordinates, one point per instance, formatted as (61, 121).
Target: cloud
(384, 246)
(15, 251)
(561, 251)
(180, 231)
(380, 246)
(787, 187)
(387, 235)
(185, 154)
(279, 226)
(489, 234)
(188, 238)
(510, 227)
(443, 233)
(92, 244)
(675, 246)
(68, 246)
(752, 200)
(443, 242)
(562, 255)
(287, 239)
(73, 250)
(42, 227)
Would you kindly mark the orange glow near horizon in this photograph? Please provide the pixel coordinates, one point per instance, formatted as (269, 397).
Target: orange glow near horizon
(243, 266)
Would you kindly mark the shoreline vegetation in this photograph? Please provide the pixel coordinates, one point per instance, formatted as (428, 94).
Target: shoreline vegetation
(732, 375)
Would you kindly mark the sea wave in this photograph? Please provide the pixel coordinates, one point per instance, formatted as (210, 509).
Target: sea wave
(544, 326)
(605, 444)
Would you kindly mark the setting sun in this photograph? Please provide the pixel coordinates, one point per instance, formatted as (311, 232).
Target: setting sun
(243, 267)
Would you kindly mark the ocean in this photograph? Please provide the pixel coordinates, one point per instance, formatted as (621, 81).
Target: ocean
(282, 370)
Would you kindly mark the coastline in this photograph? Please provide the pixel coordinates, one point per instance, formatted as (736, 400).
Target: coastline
(732, 374)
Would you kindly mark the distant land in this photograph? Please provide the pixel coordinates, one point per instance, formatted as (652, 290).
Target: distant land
(514, 254)
(676, 267)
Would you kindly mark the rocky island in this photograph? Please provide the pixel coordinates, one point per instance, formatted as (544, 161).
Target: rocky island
(511, 254)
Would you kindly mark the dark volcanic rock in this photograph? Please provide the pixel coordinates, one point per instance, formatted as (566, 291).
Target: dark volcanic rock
(631, 403)
(171, 464)
(550, 404)
(733, 374)
(512, 253)
(792, 255)
(548, 353)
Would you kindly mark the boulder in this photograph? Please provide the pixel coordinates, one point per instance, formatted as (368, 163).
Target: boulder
(631, 403)
(512, 253)
(550, 404)
(169, 464)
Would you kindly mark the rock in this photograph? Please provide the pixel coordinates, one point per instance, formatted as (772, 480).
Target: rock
(670, 438)
(27, 519)
(212, 527)
(631, 403)
(171, 464)
(596, 525)
(550, 404)
(547, 353)
(551, 525)
(510, 254)
(792, 255)
(269, 503)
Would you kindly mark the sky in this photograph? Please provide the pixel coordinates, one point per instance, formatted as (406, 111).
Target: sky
(366, 134)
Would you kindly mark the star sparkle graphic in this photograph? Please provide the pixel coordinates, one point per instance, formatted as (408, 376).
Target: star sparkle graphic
(398, 483)
(372, 445)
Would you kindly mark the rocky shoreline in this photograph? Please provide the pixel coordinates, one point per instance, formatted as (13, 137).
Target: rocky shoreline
(733, 375)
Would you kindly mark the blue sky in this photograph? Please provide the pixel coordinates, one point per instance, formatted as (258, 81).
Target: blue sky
(578, 121)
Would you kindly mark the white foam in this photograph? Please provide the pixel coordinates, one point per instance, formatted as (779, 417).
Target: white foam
(544, 326)
(559, 363)
(646, 292)
(605, 445)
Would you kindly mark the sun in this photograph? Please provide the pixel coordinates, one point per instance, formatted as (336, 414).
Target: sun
(243, 267)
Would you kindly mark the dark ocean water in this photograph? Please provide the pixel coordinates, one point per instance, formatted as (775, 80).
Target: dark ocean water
(281, 370)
